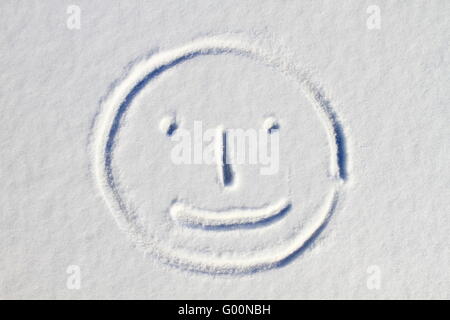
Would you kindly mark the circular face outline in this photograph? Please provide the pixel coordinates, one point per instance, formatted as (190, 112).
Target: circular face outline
(108, 123)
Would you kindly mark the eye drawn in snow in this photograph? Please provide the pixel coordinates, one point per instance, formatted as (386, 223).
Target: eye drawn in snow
(223, 217)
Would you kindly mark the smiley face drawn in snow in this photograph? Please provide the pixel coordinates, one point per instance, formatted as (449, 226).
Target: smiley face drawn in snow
(223, 216)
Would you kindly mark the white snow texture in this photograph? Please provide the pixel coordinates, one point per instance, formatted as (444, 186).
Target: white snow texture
(96, 96)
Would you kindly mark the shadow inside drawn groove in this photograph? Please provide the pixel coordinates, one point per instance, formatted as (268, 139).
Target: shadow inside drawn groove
(339, 134)
(172, 128)
(247, 225)
(228, 175)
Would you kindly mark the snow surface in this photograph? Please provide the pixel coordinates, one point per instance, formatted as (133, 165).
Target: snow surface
(364, 125)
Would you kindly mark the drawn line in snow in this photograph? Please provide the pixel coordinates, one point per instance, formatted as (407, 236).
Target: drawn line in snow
(168, 125)
(225, 172)
(108, 124)
(256, 263)
(229, 218)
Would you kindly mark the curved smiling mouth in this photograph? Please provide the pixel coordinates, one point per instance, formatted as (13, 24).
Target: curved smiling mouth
(232, 217)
